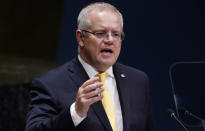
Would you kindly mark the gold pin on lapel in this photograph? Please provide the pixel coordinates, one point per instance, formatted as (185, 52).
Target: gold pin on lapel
(122, 75)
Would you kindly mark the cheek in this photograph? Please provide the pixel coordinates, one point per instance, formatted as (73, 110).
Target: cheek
(93, 49)
(118, 48)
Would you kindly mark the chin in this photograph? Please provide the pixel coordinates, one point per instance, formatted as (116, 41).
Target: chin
(108, 63)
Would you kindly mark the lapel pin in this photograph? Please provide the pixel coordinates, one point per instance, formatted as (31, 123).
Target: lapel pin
(122, 75)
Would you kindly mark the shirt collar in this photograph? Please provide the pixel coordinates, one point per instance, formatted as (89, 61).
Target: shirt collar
(91, 71)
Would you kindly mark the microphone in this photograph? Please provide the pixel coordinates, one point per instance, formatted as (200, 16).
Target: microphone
(172, 114)
(184, 111)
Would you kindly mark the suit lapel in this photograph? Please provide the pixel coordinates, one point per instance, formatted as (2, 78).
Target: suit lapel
(121, 80)
(100, 112)
(77, 72)
(79, 76)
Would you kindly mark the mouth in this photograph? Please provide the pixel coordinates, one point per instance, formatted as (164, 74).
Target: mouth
(107, 51)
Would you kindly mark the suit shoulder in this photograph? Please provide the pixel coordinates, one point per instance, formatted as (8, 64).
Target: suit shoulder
(130, 70)
(55, 74)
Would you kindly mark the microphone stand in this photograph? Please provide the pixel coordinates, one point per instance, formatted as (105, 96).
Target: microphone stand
(202, 121)
(172, 115)
(186, 112)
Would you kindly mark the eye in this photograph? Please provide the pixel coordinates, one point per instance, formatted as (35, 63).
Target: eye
(116, 34)
(100, 34)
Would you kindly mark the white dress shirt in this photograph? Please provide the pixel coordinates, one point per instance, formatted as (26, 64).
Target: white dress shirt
(111, 85)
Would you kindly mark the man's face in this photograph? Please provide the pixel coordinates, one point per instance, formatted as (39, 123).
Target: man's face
(102, 52)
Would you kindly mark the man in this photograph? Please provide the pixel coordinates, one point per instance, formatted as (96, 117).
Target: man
(93, 92)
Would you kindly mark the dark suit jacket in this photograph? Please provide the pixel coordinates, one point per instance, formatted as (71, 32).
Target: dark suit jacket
(53, 93)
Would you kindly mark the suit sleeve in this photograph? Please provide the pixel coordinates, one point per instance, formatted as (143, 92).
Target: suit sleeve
(44, 113)
(150, 116)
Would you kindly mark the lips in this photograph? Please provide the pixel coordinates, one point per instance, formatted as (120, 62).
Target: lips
(106, 50)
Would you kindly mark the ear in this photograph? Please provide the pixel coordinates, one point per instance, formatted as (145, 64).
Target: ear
(79, 38)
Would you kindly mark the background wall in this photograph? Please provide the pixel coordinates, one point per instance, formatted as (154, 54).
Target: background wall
(158, 33)
(29, 28)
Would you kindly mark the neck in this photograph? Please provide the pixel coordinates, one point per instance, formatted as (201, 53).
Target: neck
(99, 68)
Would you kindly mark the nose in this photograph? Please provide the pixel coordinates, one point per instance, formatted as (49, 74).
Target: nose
(109, 38)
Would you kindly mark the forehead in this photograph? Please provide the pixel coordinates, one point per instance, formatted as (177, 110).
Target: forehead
(105, 19)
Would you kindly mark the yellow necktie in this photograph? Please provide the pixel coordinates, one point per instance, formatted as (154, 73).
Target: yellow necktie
(107, 102)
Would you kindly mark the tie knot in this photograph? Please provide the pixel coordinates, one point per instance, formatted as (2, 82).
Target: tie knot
(102, 76)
